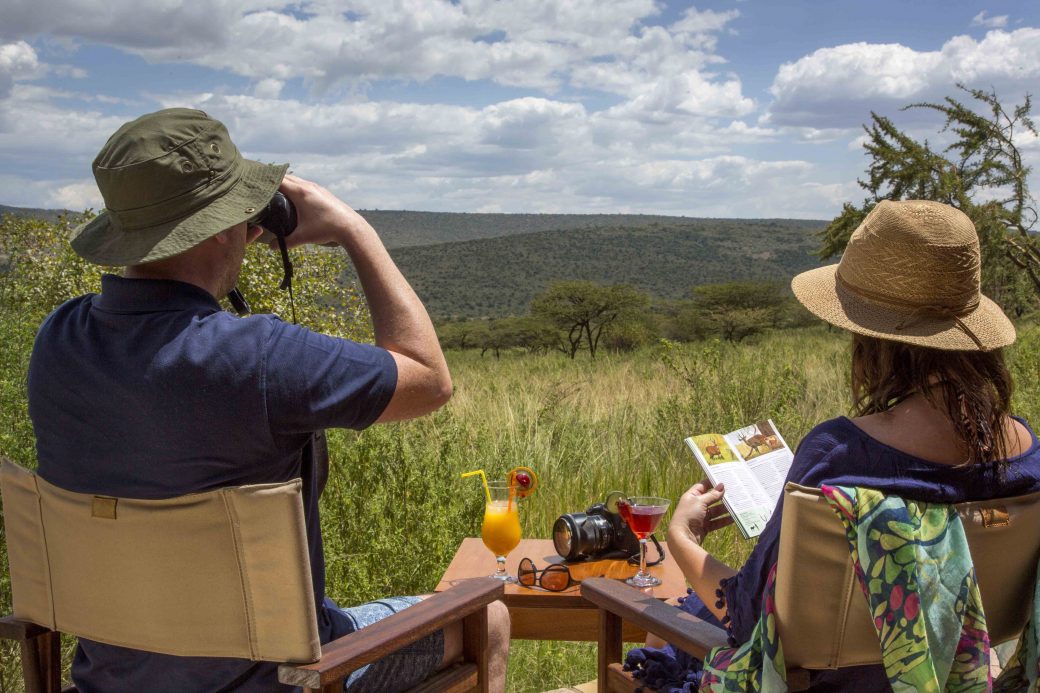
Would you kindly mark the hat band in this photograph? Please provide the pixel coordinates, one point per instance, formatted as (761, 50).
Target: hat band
(918, 312)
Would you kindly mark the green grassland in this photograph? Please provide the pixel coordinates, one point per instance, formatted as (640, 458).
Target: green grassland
(499, 276)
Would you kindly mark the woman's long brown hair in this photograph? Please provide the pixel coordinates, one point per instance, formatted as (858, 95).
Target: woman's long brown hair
(972, 387)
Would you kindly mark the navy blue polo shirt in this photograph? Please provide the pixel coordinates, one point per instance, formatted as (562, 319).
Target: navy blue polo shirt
(150, 390)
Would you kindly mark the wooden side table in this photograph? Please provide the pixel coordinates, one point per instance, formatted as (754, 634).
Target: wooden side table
(537, 614)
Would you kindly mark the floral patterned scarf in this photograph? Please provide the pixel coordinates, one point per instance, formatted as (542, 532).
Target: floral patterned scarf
(940, 644)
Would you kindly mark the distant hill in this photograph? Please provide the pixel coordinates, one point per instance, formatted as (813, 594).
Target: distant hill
(47, 214)
(490, 265)
(499, 276)
(400, 229)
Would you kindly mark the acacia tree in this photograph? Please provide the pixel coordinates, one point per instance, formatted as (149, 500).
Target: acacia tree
(980, 173)
(736, 310)
(464, 334)
(582, 310)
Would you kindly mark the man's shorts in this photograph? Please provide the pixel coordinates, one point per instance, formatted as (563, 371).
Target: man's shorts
(398, 671)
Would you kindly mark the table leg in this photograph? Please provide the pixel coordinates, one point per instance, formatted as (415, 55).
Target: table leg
(609, 646)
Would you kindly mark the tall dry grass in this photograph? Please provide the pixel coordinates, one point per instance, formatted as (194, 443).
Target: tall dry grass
(397, 510)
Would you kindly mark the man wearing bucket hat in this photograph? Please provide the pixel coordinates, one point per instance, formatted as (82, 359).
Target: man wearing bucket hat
(930, 397)
(150, 390)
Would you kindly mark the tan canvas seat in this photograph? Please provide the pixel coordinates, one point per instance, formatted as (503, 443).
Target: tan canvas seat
(822, 615)
(234, 558)
(821, 612)
(223, 573)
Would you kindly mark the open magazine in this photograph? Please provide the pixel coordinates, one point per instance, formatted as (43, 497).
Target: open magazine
(752, 462)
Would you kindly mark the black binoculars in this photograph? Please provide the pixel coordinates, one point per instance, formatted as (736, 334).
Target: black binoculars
(278, 219)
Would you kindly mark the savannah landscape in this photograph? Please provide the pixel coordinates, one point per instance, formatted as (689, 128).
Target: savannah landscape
(594, 403)
(395, 508)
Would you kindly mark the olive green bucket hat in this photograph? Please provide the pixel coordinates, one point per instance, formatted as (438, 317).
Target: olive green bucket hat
(170, 180)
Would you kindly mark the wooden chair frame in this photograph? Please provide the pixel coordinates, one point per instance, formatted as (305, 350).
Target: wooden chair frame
(617, 602)
(467, 602)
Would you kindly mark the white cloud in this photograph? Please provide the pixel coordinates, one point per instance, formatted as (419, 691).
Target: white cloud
(17, 61)
(668, 132)
(857, 144)
(37, 133)
(184, 26)
(522, 43)
(268, 88)
(838, 87)
(995, 22)
(704, 22)
(76, 196)
(528, 154)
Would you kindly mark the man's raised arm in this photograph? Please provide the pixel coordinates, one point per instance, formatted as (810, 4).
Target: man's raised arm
(402, 325)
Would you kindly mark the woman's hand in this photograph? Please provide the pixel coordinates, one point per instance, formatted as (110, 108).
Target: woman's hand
(698, 512)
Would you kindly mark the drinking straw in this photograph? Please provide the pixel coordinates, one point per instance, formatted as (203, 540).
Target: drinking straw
(483, 478)
(512, 490)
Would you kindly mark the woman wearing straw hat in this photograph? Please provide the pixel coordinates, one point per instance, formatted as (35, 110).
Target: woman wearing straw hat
(930, 394)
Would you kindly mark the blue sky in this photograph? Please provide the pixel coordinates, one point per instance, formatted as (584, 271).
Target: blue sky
(721, 108)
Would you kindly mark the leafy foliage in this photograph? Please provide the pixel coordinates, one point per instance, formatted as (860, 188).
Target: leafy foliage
(980, 173)
(324, 303)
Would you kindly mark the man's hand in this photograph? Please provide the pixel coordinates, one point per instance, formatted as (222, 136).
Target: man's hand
(322, 217)
(699, 512)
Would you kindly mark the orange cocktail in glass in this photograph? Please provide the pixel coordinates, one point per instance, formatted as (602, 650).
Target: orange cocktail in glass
(501, 528)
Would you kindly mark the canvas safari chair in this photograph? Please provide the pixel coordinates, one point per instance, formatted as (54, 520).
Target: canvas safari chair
(223, 573)
(822, 616)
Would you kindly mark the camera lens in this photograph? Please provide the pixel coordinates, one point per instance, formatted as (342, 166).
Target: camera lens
(563, 536)
(580, 535)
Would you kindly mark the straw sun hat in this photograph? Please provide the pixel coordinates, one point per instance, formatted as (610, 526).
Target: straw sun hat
(910, 273)
(170, 180)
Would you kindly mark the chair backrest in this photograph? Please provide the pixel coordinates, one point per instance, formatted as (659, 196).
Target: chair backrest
(821, 611)
(223, 573)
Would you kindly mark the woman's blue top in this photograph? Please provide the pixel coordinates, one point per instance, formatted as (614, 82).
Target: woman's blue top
(837, 452)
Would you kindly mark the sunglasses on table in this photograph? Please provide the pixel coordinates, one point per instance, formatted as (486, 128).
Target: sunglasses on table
(554, 578)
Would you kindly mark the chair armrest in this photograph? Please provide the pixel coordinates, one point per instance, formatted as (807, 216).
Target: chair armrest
(12, 628)
(684, 630)
(342, 656)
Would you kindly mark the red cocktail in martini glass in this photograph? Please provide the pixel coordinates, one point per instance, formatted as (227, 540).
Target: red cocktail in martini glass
(643, 514)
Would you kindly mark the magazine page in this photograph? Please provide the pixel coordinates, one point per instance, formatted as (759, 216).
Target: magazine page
(767, 455)
(747, 501)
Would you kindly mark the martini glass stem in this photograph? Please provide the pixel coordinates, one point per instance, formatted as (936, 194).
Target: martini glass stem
(500, 572)
(642, 558)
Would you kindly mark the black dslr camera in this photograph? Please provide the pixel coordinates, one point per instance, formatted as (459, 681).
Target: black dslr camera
(599, 532)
